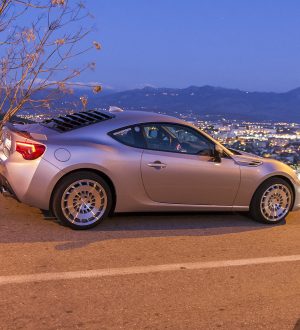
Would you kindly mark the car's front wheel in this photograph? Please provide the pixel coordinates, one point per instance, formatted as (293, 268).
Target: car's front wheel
(82, 200)
(272, 201)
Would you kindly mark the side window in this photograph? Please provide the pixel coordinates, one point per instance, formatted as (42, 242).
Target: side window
(131, 136)
(177, 138)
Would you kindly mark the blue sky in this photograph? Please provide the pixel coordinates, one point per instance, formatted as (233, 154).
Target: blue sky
(245, 44)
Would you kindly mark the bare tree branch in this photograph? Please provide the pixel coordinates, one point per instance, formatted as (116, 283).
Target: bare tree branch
(37, 57)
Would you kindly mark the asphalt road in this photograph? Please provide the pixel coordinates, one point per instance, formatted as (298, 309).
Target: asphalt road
(155, 271)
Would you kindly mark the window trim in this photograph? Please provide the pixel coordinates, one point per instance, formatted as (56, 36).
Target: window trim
(184, 126)
(111, 134)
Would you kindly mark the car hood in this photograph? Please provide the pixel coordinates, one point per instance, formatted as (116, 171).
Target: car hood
(273, 165)
(247, 159)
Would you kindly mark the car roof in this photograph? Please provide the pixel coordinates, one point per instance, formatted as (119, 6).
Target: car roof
(131, 117)
(114, 121)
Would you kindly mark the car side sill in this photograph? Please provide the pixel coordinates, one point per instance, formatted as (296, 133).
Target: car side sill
(164, 207)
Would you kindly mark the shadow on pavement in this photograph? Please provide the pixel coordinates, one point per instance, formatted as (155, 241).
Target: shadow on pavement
(140, 225)
(206, 222)
(20, 223)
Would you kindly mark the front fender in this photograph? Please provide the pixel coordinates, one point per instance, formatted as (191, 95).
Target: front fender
(253, 177)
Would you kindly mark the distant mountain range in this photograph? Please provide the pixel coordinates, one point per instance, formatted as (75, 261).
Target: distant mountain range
(208, 100)
(205, 101)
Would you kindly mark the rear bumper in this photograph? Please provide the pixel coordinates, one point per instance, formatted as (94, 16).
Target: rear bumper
(5, 188)
(29, 182)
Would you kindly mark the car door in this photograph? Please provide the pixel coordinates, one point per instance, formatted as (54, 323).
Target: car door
(177, 168)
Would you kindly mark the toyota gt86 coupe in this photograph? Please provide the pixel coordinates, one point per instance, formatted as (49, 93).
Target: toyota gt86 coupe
(86, 165)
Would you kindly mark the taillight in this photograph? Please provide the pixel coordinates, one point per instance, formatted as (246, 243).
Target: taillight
(30, 151)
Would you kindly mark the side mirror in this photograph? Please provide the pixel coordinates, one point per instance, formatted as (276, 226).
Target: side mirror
(217, 154)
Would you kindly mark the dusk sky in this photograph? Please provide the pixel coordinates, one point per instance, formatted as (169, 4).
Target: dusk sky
(245, 44)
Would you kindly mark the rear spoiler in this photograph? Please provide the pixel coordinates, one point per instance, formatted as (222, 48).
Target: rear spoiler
(14, 129)
(25, 134)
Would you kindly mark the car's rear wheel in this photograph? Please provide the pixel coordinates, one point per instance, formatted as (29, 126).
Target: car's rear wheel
(82, 200)
(272, 201)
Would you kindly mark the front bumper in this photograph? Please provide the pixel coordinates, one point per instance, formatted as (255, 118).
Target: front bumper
(297, 197)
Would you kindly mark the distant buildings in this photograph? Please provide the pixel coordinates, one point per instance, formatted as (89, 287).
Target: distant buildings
(278, 140)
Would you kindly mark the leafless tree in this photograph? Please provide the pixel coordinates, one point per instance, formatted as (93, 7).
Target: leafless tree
(37, 59)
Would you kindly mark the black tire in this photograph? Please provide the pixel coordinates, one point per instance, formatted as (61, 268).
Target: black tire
(64, 216)
(256, 212)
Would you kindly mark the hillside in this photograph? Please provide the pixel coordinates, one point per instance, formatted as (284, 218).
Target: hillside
(205, 100)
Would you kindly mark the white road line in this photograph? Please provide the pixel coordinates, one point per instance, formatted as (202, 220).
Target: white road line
(42, 277)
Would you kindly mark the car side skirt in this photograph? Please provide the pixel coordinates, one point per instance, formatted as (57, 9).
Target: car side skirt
(163, 207)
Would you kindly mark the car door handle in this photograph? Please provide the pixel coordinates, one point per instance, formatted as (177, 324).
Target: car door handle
(157, 165)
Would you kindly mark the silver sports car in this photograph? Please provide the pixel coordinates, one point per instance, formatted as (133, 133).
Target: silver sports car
(86, 165)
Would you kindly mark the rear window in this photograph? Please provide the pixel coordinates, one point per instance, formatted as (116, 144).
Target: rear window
(131, 136)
